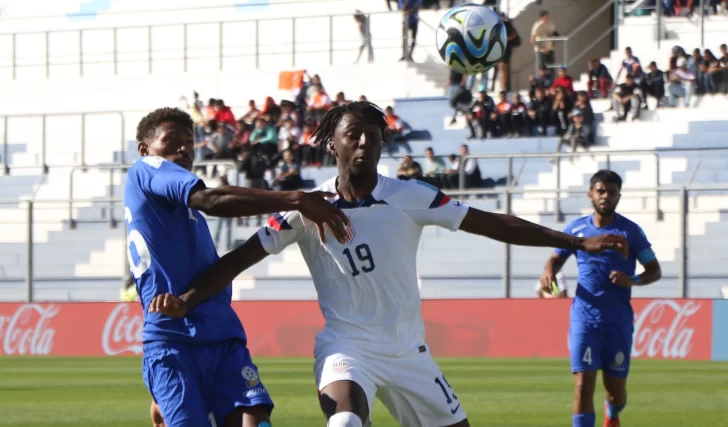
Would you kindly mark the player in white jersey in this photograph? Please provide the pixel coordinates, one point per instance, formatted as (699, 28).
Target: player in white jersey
(373, 344)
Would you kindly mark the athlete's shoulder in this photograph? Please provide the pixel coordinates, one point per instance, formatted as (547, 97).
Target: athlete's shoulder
(410, 193)
(629, 226)
(328, 186)
(578, 225)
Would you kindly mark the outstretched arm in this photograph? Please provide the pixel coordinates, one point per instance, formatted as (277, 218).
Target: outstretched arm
(516, 231)
(211, 281)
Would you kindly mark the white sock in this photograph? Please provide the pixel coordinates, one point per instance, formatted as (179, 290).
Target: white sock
(344, 419)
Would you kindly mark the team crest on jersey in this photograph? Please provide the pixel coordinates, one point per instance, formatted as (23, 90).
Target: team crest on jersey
(349, 232)
(251, 377)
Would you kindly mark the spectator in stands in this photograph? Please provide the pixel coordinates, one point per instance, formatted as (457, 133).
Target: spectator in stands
(254, 164)
(481, 112)
(561, 106)
(543, 28)
(456, 80)
(718, 70)
(210, 112)
(288, 177)
(410, 15)
(224, 222)
(472, 171)
(409, 169)
(564, 80)
(540, 114)
(362, 21)
(682, 83)
(584, 106)
(314, 86)
(397, 131)
(677, 53)
(252, 113)
(514, 40)
(318, 104)
(653, 83)
(434, 169)
(340, 99)
(626, 99)
(461, 100)
(288, 136)
(599, 78)
(627, 63)
(363, 98)
(271, 112)
(288, 111)
(502, 116)
(519, 112)
(578, 133)
(241, 140)
(703, 83)
(544, 81)
(265, 137)
(223, 114)
(221, 141)
(309, 151)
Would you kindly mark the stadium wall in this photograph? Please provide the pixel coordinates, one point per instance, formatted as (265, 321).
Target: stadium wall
(690, 329)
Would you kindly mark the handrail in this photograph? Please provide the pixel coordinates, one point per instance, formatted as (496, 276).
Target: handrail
(608, 154)
(114, 167)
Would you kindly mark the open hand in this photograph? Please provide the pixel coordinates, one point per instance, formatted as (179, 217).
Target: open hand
(317, 209)
(169, 305)
(605, 242)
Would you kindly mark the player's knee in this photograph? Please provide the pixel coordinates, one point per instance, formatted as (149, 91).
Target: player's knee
(345, 419)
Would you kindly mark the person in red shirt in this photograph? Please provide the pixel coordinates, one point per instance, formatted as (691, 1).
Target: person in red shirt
(224, 114)
(564, 80)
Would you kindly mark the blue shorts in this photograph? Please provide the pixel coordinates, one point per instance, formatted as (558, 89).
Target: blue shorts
(600, 346)
(193, 382)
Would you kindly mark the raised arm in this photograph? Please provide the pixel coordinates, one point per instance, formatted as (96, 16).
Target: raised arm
(516, 231)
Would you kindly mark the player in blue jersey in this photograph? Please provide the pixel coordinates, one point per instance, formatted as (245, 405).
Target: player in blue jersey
(373, 344)
(197, 368)
(600, 336)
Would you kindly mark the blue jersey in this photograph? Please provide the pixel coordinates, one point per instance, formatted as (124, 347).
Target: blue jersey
(168, 245)
(597, 299)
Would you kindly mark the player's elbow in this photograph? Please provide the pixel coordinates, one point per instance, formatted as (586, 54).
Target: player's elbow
(205, 200)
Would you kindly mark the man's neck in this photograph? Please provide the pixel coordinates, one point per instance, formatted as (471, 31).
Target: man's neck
(352, 188)
(603, 221)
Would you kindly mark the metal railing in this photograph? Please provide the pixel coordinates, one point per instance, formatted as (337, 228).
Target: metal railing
(558, 156)
(505, 194)
(115, 56)
(111, 196)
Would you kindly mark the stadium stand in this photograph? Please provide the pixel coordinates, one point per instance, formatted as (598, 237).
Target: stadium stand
(79, 256)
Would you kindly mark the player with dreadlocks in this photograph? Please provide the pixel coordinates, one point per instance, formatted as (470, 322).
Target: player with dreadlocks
(373, 344)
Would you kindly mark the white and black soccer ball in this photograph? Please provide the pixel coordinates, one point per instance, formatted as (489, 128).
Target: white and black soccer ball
(471, 38)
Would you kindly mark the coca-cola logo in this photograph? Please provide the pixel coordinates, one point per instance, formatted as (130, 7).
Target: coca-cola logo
(122, 331)
(27, 331)
(660, 329)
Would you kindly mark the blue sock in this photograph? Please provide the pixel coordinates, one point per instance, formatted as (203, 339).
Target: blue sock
(583, 420)
(613, 411)
(264, 424)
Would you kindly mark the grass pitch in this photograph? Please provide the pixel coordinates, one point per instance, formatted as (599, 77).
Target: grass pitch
(54, 392)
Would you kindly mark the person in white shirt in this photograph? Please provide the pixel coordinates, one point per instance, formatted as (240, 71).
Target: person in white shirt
(682, 83)
(373, 343)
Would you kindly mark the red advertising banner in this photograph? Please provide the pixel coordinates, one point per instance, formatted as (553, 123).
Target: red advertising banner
(664, 328)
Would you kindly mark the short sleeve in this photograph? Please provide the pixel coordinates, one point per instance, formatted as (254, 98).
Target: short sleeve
(565, 253)
(281, 231)
(640, 247)
(168, 181)
(426, 205)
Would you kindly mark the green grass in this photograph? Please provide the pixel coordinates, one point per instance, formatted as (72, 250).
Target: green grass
(54, 392)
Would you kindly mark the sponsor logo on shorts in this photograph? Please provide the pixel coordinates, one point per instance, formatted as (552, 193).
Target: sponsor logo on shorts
(254, 392)
(619, 359)
(251, 377)
(340, 367)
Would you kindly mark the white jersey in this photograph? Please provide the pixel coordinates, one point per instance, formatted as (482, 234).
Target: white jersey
(368, 289)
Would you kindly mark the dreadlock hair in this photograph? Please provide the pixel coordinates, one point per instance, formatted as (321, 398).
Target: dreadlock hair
(148, 125)
(364, 110)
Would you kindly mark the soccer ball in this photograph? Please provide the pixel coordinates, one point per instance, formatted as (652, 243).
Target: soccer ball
(471, 38)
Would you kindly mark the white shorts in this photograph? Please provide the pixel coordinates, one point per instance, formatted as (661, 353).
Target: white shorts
(412, 387)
